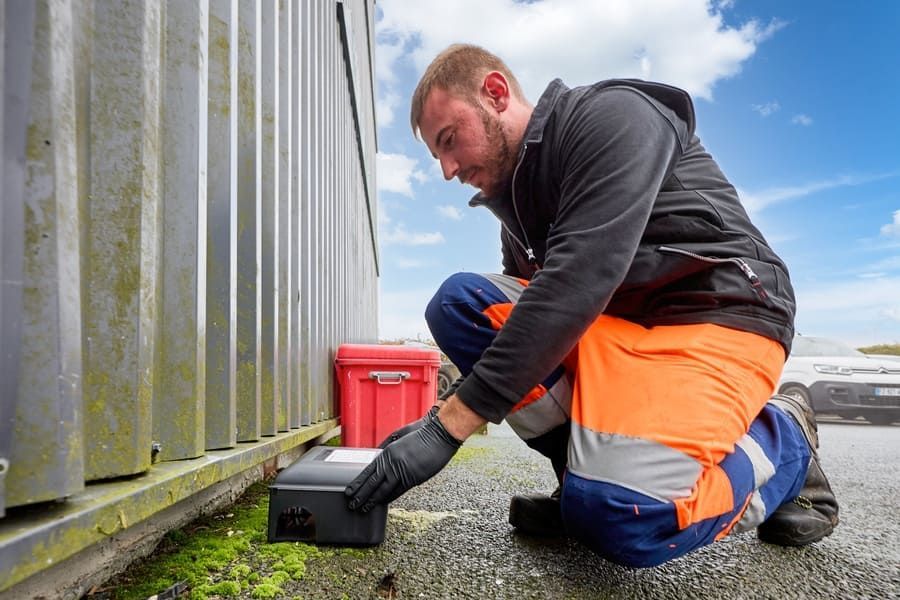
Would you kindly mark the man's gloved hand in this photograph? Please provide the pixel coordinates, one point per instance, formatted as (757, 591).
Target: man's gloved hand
(409, 428)
(413, 459)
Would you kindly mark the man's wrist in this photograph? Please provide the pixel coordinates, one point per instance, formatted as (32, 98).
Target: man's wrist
(459, 420)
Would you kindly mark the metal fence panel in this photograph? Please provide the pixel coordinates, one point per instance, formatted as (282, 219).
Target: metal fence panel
(47, 454)
(180, 385)
(297, 263)
(221, 305)
(16, 45)
(122, 230)
(195, 229)
(269, 223)
(249, 291)
(283, 350)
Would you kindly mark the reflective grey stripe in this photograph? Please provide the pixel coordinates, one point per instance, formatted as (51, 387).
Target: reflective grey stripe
(753, 516)
(763, 469)
(644, 466)
(542, 415)
(510, 286)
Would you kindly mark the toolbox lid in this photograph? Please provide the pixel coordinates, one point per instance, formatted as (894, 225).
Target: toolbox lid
(375, 353)
(325, 468)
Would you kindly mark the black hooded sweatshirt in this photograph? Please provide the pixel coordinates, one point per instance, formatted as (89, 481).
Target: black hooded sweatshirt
(616, 208)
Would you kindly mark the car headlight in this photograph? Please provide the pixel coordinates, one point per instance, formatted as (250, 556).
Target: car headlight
(833, 370)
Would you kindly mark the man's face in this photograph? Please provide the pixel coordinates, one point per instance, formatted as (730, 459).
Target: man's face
(469, 141)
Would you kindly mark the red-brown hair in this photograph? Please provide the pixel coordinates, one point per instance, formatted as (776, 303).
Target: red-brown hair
(459, 70)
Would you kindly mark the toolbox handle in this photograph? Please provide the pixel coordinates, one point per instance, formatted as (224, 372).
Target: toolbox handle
(389, 377)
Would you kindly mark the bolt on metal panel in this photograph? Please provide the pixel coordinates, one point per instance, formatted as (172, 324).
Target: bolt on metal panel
(49, 408)
(249, 221)
(222, 194)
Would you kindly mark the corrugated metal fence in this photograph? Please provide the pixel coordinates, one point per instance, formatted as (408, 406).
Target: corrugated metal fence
(188, 228)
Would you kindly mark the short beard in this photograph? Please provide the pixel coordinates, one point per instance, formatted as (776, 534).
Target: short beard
(502, 164)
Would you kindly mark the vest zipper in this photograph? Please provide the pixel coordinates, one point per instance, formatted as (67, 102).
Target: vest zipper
(755, 283)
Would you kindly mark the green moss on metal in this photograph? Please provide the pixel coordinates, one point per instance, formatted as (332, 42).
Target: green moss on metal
(43, 554)
(267, 397)
(335, 441)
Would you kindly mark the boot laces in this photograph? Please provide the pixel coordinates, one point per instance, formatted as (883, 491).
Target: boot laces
(803, 502)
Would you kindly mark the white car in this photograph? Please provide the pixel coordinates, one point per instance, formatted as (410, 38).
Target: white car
(836, 379)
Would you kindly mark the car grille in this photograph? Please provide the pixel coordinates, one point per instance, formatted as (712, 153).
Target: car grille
(880, 401)
(841, 395)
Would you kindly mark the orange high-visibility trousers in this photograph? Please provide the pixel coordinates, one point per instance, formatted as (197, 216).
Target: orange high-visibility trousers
(671, 441)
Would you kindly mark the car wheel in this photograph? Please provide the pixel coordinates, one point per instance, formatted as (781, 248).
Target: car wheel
(796, 391)
(881, 419)
(444, 381)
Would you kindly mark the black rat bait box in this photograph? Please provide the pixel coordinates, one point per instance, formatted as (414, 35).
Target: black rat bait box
(307, 501)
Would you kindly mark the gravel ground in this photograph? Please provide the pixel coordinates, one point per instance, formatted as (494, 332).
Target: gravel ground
(450, 539)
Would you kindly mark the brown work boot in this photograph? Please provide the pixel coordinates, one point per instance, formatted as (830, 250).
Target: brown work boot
(538, 515)
(813, 514)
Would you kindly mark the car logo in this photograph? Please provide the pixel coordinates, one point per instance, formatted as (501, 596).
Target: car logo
(882, 370)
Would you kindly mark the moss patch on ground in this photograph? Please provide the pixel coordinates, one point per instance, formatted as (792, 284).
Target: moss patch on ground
(469, 454)
(226, 555)
(223, 556)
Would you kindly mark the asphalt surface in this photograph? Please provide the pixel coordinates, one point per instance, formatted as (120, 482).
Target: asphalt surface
(450, 538)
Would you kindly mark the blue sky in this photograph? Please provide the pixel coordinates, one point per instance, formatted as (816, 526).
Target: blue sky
(797, 101)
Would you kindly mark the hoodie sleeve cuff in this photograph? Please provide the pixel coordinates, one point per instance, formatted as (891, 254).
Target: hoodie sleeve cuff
(482, 399)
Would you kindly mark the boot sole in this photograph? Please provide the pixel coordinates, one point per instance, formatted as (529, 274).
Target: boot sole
(784, 539)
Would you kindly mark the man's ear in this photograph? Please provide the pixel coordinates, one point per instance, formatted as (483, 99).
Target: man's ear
(495, 91)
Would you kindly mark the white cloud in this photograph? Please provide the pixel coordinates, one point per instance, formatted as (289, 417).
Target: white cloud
(852, 295)
(448, 211)
(383, 218)
(757, 201)
(387, 51)
(684, 43)
(878, 275)
(802, 119)
(409, 263)
(893, 228)
(859, 311)
(402, 314)
(891, 263)
(767, 109)
(400, 236)
(395, 173)
(384, 108)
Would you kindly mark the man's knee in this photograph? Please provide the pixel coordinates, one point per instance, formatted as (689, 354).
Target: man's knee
(631, 532)
(454, 289)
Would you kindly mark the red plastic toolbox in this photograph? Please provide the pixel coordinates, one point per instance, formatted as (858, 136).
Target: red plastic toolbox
(383, 388)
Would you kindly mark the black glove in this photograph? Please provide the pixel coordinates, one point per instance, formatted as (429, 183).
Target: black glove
(409, 428)
(413, 459)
